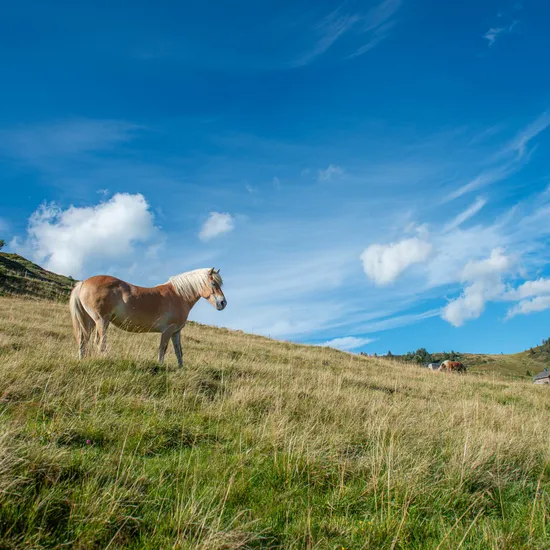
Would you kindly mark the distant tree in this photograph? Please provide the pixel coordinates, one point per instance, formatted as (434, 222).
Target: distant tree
(375, 355)
(389, 354)
(2, 243)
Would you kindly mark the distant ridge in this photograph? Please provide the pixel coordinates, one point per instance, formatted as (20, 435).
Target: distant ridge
(19, 276)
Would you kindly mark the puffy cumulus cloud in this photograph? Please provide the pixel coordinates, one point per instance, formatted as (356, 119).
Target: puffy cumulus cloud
(530, 288)
(470, 305)
(497, 263)
(533, 305)
(384, 263)
(347, 343)
(485, 283)
(533, 296)
(216, 224)
(69, 241)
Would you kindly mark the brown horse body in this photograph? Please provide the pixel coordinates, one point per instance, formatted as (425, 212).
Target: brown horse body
(102, 300)
(450, 366)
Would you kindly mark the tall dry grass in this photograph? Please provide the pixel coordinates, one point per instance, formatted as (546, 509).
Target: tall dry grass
(258, 444)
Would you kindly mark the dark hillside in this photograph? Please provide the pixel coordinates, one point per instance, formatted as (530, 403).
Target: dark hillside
(21, 276)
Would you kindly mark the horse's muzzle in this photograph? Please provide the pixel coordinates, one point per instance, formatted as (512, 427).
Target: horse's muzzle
(221, 304)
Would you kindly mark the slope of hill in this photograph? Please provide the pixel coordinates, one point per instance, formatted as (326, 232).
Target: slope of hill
(258, 444)
(520, 365)
(20, 276)
(525, 363)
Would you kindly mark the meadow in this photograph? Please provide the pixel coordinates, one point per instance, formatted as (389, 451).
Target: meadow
(258, 444)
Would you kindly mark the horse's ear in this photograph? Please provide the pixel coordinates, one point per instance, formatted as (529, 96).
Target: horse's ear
(211, 271)
(217, 272)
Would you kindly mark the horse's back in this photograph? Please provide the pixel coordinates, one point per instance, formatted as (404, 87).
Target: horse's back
(104, 292)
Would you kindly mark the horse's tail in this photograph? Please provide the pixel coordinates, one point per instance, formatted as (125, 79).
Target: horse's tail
(82, 322)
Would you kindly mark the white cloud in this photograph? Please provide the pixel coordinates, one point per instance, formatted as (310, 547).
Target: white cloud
(384, 263)
(519, 144)
(216, 224)
(470, 305)
(332, 27)
(69, 241)
(533, 296)
(397, 321)
(496, 264)
(331, 172)
(347, 343)
(486, 178)
(378, 22)
(534, 305)
(485, 284)
(494, 32)
(362, 31)
(508, 160)
(531, 288)
(466, 215)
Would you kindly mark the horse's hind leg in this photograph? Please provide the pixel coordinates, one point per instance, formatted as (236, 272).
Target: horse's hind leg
(83, 338)
(84, 334)
(101, 325)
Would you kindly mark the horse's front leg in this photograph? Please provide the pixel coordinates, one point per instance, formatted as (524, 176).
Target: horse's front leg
(176, 341)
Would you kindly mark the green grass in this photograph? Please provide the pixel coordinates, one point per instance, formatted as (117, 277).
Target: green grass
(258, 444)
(19, 276)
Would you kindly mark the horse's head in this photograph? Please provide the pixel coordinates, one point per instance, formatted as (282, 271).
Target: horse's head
(212, 291)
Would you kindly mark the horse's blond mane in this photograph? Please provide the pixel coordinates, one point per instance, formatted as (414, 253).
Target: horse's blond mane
(189, 285)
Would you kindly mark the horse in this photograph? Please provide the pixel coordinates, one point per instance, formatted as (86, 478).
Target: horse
(102, 300)
(450, 366)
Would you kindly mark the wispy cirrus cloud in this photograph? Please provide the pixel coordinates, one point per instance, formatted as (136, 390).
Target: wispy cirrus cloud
(508, 160)
(332, 27)
(377, 24)
(347, 343)
(37, 144)
(464, 216)
(363, 31)
(507, 22)
(494, 32)
(332, 172)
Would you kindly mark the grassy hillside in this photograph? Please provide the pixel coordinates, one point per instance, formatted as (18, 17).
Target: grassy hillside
(526, 363)
(519, 365)
(259, 444)
(20, 276)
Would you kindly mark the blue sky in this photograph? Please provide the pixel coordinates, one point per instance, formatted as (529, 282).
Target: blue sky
(370, 174)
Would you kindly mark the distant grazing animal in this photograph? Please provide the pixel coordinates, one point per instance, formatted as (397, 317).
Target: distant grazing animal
(101, 300)
(450, 366)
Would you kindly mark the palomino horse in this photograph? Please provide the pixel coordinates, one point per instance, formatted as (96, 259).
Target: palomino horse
(101, 300)
(450, 366)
